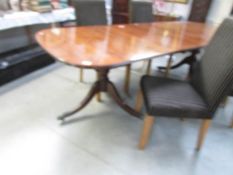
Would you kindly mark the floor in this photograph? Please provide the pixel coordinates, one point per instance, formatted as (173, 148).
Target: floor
(102, 139)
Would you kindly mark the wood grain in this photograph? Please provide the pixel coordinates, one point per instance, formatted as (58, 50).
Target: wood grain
(146, 131)
(118, 45)
(202, 133)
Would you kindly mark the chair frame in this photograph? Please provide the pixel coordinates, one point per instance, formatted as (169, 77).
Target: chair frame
(231, 126)
(149, 120)
(148, 126)
(212, 94)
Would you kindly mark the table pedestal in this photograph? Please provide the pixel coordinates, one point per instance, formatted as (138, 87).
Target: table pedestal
(188, 60)
(103, 84)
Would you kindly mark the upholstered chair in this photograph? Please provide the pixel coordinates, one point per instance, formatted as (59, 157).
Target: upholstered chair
(90, 12)
(141, 12)
(198, 98)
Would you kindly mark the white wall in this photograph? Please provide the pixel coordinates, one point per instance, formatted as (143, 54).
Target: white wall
(219, 10)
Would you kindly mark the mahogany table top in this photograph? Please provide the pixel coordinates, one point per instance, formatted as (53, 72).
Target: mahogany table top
(117, 45)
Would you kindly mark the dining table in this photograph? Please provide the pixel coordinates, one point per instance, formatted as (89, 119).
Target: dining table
(105, 47)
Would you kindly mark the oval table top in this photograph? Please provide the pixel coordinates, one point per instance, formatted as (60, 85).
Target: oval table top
(117, 45)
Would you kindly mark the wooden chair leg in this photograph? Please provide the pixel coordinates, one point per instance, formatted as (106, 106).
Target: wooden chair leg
(168, 67)
(98, 95)
(146, 131)
(127, 79)
(231, 124)
(148, 69)
(202, 132)
(81, 75)
(224, 102)
(139, 101)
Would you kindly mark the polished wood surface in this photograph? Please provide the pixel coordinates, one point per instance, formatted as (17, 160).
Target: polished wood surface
(118, 45)
(146, 131)
(202, 133)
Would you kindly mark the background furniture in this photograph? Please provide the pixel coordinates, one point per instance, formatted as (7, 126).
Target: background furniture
(199, 10)
(211, 81)
(141, 12)
(177, 1)
(28, 18)
(120, 11)
(165, 17)
(19, 62)
(19, 53)
(90, 12)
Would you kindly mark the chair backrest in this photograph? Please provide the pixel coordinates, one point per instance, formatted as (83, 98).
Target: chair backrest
(213, 74)
(141, 11)
(90, 12)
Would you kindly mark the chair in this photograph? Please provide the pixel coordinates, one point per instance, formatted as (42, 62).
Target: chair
(89, 13)
(198, 98)
(139, 12)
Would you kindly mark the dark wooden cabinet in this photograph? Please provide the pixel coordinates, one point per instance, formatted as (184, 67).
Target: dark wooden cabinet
(163, 17)
(120, 11)
(199, 11)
